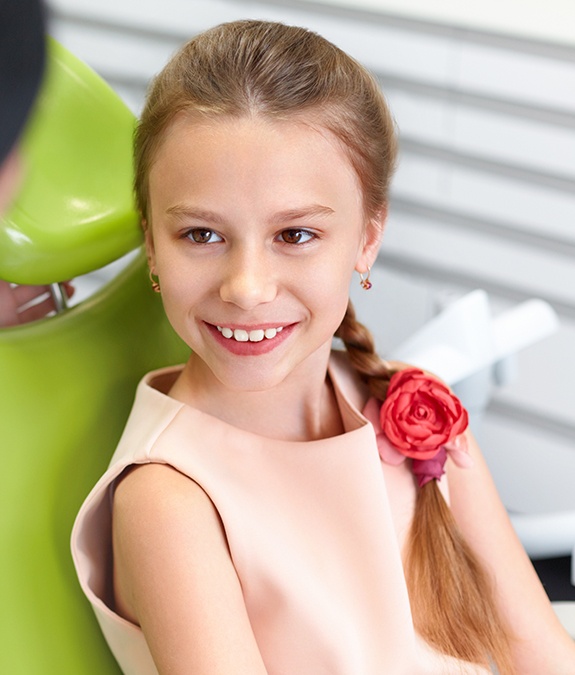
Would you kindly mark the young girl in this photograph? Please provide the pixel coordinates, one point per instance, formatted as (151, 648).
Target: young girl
(273, 506)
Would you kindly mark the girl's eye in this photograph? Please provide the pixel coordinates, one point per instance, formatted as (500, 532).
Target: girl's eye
(201, 235)
(296, 236)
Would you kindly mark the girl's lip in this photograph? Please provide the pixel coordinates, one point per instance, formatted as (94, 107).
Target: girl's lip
(251, 348)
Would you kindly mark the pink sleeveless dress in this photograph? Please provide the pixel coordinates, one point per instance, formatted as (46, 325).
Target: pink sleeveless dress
(315, 531)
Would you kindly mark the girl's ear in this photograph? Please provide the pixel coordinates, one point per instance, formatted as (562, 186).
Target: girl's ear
(149, 241)
(372, 241)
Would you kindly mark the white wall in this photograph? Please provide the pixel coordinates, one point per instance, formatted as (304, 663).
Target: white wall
(550, 20)
(483, 196)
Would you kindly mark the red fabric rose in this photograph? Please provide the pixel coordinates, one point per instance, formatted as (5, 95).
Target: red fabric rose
(420, 414)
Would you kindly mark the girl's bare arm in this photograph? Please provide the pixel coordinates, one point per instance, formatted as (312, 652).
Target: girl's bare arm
(173, 576)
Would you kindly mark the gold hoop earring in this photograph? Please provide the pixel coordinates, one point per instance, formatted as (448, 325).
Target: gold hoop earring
(365, 283)
(155, 283)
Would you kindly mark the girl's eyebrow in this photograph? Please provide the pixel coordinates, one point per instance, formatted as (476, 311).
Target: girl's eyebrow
(310, 211)
(183, 211)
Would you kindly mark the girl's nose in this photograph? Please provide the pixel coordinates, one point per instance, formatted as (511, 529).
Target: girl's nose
(248, 281)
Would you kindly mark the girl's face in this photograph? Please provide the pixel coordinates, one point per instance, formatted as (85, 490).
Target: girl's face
(256, 227)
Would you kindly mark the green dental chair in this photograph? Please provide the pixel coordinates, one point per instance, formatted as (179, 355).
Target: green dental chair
(67, 381)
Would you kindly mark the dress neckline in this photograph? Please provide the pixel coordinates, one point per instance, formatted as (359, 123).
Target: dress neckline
(348, 390)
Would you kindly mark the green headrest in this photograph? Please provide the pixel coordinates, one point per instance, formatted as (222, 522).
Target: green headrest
(75, 211)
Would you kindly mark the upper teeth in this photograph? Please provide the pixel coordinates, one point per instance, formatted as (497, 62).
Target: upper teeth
(252, 336)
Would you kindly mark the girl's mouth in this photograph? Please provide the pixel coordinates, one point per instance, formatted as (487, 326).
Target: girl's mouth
(250, 341)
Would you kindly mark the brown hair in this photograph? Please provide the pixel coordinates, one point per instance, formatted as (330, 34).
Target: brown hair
(249, 68)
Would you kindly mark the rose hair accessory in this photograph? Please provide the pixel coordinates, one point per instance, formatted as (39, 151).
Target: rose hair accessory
(422, 420)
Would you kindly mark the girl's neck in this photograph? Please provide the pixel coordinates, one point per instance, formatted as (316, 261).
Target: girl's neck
(302, 407)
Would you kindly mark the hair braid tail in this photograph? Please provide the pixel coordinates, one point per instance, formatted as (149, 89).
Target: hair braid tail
(451, 594)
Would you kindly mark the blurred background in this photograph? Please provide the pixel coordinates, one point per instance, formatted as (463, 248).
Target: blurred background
(484, 99)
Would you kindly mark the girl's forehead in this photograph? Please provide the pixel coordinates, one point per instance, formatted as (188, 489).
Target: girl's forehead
(188, 121)
(199, 141)
(293, 154)
(252, 166)
(254, 143)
